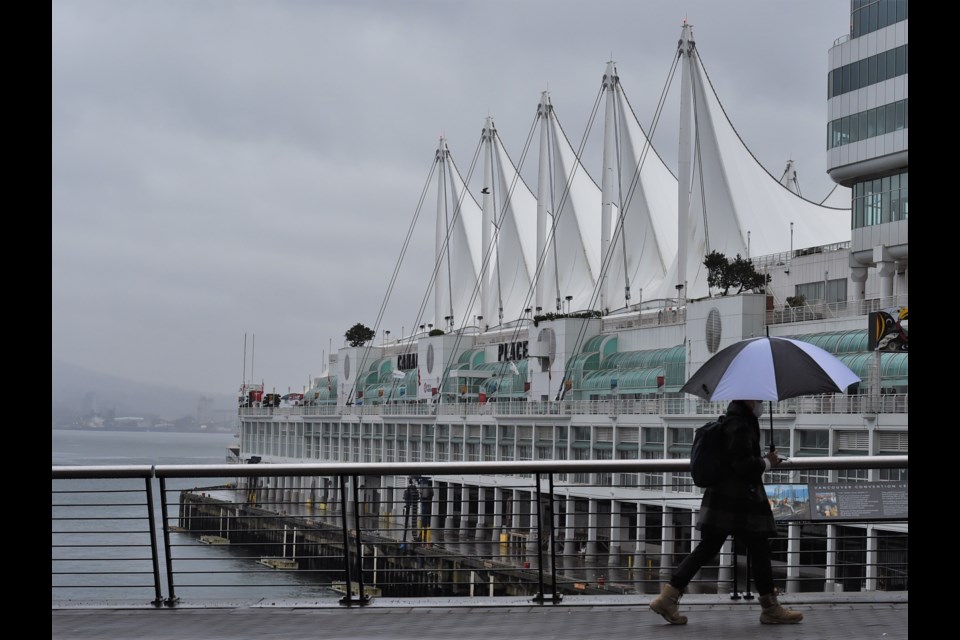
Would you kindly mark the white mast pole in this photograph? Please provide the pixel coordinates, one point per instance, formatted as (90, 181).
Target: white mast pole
(486, 279)
(607, 184)
(684, 164)
(543, 179)
(440, 284)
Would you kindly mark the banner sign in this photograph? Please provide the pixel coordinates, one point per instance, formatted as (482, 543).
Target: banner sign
(859, 501)
(846, 501)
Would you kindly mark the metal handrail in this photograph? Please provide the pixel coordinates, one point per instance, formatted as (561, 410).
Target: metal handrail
(271, 517)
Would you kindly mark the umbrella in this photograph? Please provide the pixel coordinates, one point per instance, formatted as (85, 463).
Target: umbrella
(769, 369)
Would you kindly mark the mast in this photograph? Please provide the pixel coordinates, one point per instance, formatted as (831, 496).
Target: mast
(543, 178)
(440, 284)
(607, 183)
(486, 279)
(684, 164)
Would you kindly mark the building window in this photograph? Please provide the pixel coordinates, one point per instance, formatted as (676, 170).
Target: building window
(628, 479)
(828, 291)
(866, 16)
(867, 71)
(813, 442)
(879, 120)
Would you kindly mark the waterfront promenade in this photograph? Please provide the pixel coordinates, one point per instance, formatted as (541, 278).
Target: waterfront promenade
(850, 616)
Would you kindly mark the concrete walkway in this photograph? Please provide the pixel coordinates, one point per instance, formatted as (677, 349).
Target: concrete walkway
(855, 616)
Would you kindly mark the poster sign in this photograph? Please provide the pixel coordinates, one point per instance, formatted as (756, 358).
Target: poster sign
(858, 501)
(789, 501)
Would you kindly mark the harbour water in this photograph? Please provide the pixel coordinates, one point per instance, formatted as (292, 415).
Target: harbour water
(107, 558)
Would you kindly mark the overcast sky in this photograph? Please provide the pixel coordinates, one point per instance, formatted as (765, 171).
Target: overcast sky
(229, 169)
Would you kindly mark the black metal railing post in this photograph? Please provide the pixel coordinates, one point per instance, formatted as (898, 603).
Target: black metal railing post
(154, 551)
(346, 599)
(362, 596)
(553, 544)
(171, 598)
(541, 596)
(536, 492)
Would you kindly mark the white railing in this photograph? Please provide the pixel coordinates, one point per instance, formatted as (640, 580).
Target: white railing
(824, 404)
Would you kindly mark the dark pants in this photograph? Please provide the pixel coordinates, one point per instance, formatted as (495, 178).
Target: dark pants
(757, 546)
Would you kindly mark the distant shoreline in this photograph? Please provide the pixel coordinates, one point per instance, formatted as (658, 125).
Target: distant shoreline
(143, 430)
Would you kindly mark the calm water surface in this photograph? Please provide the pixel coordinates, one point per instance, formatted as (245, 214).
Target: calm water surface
(100, 530)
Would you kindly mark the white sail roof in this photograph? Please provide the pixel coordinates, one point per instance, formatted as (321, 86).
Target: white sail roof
(572, 259)
(514, 258)
(646, 202)
(732, 195)
(458, 220)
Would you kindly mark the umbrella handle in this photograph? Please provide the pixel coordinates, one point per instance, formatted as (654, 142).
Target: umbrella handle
(770, 413)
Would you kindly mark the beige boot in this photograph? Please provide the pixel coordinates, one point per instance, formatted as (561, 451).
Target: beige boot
(666, 604)
(774, 613)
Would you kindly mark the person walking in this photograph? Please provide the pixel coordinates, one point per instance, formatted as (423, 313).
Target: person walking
(411, 508)
(737, 505)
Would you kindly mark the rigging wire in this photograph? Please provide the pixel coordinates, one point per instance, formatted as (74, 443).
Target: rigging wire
(393, 278)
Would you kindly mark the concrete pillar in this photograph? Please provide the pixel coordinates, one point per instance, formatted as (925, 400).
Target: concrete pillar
(569, 531)
(616, 535)
(482, 524)
(725, 574)
(830, 571)
(465, 516)
(793, 558)
(449, 533)
(639, 547)
(858, 284)
(533, 532)
(497, 528)
(436, 530)
(514, 520)
(886, 270)
(667, 537)
(593, 520)
(871, 570)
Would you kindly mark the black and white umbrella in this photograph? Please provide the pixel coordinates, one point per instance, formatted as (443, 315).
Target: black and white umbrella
(769, 369)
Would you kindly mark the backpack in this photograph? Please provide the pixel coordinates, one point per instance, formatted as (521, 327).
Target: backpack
(707, 455)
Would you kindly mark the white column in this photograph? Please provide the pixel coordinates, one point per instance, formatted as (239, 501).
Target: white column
(465, 515)
(639, 549)
(871, 572)
(570, 529)
(793, 558)
(533, 529)
(667, 537)
(830, 571)
(616, 535)
(725, 574)
(858, 287)
(482, 524)
(593, 522)
(449, 533)
(886, 269)
(497, 514)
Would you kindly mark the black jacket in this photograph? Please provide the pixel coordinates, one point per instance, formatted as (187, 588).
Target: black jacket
(738, 504)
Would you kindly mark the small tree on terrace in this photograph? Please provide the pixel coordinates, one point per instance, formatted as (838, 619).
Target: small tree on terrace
(359, 334)
(723, 274)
